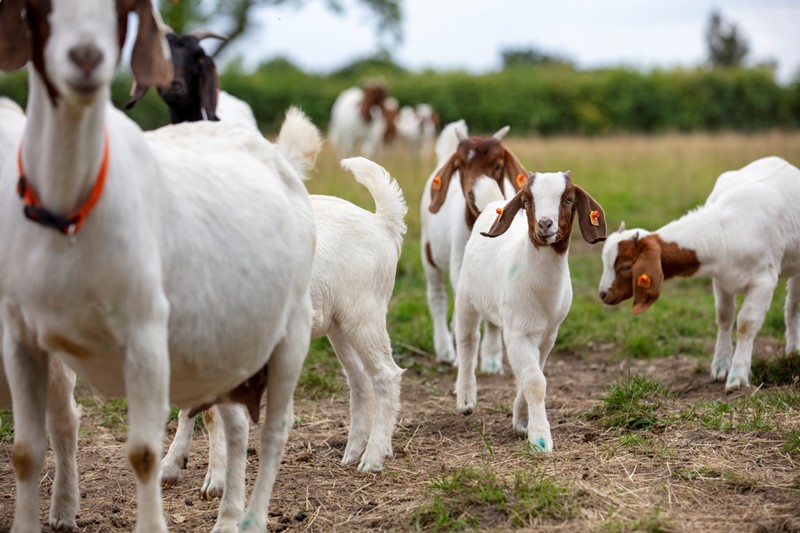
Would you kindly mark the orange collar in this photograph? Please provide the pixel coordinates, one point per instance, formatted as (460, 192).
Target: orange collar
(71, 224)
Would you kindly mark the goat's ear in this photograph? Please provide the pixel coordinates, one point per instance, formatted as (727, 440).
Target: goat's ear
(506, 217)
(514, 170)
(137, 93)
(648, 275)
(15, 41)
(591, 217)
(440, 184)
(150, 60)
(209, 88)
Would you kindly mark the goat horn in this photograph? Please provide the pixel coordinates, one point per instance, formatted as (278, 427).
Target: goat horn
(502, 132)
(204, 33)
(460, 134)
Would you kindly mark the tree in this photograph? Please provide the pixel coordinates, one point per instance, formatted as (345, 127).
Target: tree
(525, 57)
(726, 46)
(183, 15)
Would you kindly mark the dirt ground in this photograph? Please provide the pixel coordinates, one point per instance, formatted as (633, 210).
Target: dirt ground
(613, 485)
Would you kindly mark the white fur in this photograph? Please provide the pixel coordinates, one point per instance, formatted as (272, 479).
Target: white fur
(417, 128)
(235, 112)
(526, 291)
(163, 295)
(746, 236)
(348, 131)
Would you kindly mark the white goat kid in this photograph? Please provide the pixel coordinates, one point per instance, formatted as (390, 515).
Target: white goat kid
(745, 236)
(448, 213)
(153, 286)
(520, 281)
(351, 284)
(63, 414)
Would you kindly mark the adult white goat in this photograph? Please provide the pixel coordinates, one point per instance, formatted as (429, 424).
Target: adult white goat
(519, 280)
(358, 120)
(745, 237)
(351, 285)
(151, 283)
(448, 213)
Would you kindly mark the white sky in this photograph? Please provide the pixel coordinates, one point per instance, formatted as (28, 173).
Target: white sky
(470, 34)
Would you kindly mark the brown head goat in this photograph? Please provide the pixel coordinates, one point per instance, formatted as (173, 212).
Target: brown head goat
(448, 213)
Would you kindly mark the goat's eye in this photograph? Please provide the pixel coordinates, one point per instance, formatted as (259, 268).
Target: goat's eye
(625, 269)
(498, 167)
(568, 201)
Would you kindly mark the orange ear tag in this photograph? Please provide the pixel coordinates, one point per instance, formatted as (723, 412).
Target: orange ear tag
(499, 210)
(594, 218)
(521, 179)
(643, 281)
(437, 183)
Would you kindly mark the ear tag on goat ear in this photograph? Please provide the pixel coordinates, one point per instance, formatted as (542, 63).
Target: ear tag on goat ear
(437, 183)
(643, 281)
(594, 218)
(499, 211)
(521, 179)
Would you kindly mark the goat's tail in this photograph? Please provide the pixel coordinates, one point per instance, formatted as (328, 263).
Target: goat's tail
(390, 205)
(487, 191)
(299, 141)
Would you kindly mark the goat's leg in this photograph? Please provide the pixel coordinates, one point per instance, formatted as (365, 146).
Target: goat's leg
(177, 455)
(723, 351)
(792, 315)
(232, 424)
(491, 349)
(215, 475)
(146, 372)
(467, 335)
(63, 422)
(525, 359)
(748, 322)
(283, 370)
(362, 395)
(437, 303)
(27, 372)
(371, 342)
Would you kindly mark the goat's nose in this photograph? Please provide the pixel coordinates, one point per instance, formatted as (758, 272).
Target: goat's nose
(175, 85)
(603, 295)
(86, 57)
(545, 225)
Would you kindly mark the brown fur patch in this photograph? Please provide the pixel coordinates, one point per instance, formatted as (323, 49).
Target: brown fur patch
(57, 343)
(143, 461)
(22, 459)
(677, 261)
(429, 255)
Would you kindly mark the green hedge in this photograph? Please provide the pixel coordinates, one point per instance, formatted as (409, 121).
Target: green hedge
(548, 99)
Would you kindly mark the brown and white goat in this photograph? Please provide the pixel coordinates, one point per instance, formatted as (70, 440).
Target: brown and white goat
(359, 120)
(448, 214)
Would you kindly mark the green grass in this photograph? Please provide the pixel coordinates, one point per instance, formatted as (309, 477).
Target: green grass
(632, 403)
(755, 412)
(792, 444)
(784, 370)
(6, 426)
(476, 498)
(114, 416)
(322, 376)
(651, 523)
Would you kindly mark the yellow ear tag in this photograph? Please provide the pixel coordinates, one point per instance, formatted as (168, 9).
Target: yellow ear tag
(643, 281)
(521, 179)
(499, 210)
(594, 218)
(437, 183)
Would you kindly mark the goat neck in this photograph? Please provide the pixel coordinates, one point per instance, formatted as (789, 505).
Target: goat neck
(62, 146)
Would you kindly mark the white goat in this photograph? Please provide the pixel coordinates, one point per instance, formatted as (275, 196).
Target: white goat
(520, 281)
(63, 414)
(448, 213)
(181, 271)
(235, 112)
(745, 237)
(358, 120)
(351, 284)
(416, 127)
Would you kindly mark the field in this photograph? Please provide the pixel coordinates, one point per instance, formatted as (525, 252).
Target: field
(644, 441)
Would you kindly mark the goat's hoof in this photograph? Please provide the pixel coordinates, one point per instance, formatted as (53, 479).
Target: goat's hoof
(719, 370)
(369, 466)
(61, 525)
(521, 428)
(210, 490)
(351, 455)
(737, 378)
(467, 408)
(168, 481)
(541, 444)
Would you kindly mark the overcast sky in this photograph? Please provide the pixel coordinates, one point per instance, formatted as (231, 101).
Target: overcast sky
(470, 34)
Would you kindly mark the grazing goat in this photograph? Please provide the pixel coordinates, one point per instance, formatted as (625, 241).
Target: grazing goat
(358, 120)
(519, 279)
(138, 256)
(63, 415)
(745, 236)
(350, 300)
(448, 213)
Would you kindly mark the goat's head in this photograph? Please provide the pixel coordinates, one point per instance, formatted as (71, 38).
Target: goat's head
(75, 44)
(631, 268)
(374, 95)
(550, 202)
(195, 83)
(476, 158)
